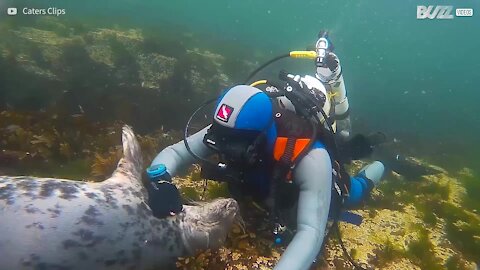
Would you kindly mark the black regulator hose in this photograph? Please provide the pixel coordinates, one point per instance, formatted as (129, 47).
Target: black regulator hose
(332, 133)
(185, 133)
(264, 65)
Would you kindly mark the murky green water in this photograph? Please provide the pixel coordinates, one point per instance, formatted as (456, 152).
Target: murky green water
(414, 79)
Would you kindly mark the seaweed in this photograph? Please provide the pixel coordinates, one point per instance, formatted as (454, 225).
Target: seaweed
(433, 188)
(461, 227)
(75, 169)
(389, 253)
(125, 63)
(472, 184)
(40, 141)
(59, 27)
(456, 262)
(217, 190)
(465, 237)
(393, 191)
(80, 67)
(429, 217)
(421, 252)
(154, 43)
(104, 165)
(189, 194)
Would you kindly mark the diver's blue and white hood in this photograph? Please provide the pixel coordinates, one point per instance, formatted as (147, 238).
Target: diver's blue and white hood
(244, 107)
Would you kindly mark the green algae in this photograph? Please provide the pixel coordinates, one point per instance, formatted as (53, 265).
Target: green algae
(433, 188)
(461, 227)
(389, 253)
(456, 262)
(421, 252)
(472, 185)
(168, 46)
(432, 200)
(189, 194)
(76, 169)
(393, 192)
(217, 190)
(461, 237)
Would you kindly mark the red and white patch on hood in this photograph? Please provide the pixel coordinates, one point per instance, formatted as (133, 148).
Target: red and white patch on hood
(224, 112)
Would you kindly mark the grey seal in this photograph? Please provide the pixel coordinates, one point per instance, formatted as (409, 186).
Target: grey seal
(63, 224)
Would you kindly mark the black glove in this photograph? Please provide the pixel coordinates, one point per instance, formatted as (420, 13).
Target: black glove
(331, 61)
(164, 198)
(361, 146)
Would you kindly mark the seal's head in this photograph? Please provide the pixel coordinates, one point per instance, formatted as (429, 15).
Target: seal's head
(206, 225)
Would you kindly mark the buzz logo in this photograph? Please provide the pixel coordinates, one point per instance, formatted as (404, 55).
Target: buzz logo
(434, 12)
(224, 113)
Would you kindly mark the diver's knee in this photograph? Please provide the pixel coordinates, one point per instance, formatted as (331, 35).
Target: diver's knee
(373, 171)
(361, 185)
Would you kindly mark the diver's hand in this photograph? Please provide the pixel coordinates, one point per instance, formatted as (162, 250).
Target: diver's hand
(331, 61)
(163, 196)
(164, 199)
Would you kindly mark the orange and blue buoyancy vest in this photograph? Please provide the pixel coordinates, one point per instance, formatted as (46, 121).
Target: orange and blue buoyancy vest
(293, 136)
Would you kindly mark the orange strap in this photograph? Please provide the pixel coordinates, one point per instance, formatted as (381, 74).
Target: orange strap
(281, 144)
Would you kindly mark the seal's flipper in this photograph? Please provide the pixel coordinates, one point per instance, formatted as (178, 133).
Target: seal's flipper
(132, 161)
(408, 167)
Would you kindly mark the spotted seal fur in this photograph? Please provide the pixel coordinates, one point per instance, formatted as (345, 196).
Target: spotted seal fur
(48, 223)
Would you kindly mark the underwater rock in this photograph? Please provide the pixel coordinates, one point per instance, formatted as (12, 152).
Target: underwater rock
(387, 225)
(456, 190)
(155, 68)
(101, 44)
(207, 71)
(50, 23)
(427, 227)
(37, 51)
(40, 52)
(80, 66)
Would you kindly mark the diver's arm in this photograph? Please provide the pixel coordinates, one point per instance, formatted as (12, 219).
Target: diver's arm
(314, 177)
(331, 75)
(340, 99)
(176, 156)
(342, 111)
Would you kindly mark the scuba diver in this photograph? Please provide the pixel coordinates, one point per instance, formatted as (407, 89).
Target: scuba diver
(329, 72)
(284, 146)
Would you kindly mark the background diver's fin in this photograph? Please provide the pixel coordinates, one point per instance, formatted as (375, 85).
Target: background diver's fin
(351, 218)
(409, 169)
